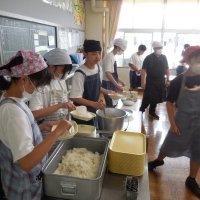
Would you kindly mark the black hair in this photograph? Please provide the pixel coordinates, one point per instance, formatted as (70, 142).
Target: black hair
(91, 45)
(40, 78)
(142, 48)
(67, 69)
(115, 46)
(186, 46)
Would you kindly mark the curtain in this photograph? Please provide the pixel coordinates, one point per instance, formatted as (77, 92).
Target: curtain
(114, 12)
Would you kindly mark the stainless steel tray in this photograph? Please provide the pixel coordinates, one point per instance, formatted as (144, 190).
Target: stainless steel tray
(66, 187)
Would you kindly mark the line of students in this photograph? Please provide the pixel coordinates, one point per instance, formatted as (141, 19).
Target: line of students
(23, 150)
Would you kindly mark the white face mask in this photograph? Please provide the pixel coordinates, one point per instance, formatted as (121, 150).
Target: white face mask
(195, 68)
(120, 52)
(26, 96)
(158, 52)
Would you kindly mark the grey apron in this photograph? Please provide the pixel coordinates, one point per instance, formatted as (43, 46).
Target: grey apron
(18, 184)
(187, 119)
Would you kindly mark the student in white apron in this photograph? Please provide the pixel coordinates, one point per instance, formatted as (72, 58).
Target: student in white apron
(183, 106)
(22, 149)
(51, 103)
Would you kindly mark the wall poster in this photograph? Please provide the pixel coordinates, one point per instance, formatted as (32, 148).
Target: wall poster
(79, 12)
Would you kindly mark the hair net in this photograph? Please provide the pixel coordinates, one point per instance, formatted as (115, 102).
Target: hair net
(120, 43)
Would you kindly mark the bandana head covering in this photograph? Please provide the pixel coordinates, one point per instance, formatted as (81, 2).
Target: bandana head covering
(91, 45)
(189, 51)
(32, 63)
(120, 43)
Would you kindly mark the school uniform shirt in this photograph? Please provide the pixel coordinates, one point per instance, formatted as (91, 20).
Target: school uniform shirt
(136, 60)
(79, 79)
(175, 86)
(15, 129)
(108, 64)
(42, 100)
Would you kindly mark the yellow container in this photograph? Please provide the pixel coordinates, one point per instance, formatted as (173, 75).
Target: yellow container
(127, 153)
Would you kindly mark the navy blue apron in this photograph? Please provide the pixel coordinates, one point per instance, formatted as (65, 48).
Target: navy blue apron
(108, 85)
(92, 86)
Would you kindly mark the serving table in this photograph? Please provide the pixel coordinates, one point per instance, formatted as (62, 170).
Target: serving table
(114, 184)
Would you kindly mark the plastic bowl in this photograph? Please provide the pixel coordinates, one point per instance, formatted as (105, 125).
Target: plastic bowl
(128, 102)
(68, 134)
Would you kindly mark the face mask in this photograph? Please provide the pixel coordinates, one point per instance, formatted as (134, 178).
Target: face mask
(158, 52)
(195, 68)
(120, 52)
(26, 96)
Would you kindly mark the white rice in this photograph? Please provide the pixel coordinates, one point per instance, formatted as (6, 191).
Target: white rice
(79, 162)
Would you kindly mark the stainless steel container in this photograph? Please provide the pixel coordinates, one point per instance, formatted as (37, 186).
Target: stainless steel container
(111, 119)
(66, 187)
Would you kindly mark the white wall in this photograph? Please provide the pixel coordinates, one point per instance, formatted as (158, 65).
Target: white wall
(93, 28)
(39, 10)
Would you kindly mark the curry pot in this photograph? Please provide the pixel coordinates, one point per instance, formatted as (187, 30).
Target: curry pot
(110, 119)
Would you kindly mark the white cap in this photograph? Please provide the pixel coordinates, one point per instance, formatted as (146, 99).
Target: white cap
(57, 57)
(156, 44)
(120, 43)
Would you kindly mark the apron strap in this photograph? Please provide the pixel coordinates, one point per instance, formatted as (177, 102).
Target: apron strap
(182, 85)
(98, 68)
(80, 72)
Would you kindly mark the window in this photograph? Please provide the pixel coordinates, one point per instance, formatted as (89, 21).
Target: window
(181, 14)
(134, 40)
(172, 22)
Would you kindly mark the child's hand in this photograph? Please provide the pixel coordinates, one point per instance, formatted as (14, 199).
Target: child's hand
(46, 126)
(63, 125)
(175, 129)
(100, 105)
(120, 88)
(69, 106)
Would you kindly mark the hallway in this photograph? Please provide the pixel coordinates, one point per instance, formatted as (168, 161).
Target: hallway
(166, 182)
